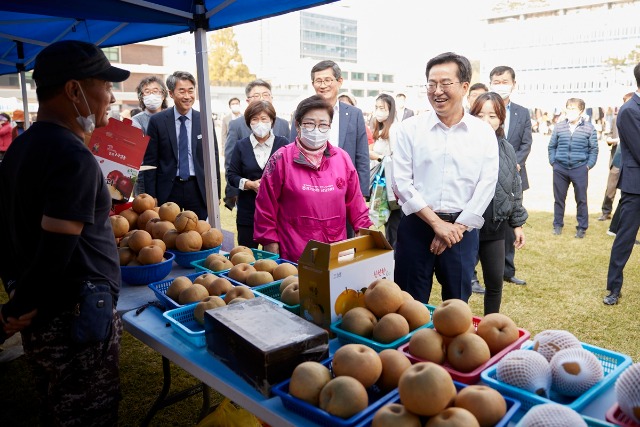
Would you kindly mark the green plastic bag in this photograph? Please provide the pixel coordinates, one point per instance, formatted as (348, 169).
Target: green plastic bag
(228, 414)
(379, 204)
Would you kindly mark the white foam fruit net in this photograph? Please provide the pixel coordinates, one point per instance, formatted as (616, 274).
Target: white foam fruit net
(525, 369)
(574, 371)
(551, 341)
(552, 415)
(628, 392)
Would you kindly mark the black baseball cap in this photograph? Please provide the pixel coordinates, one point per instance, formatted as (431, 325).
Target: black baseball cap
(73, 59)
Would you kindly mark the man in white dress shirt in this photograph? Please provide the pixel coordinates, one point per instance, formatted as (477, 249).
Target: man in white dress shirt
(445, 173)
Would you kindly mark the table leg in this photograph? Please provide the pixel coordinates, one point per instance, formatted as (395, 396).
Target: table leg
(163, 401)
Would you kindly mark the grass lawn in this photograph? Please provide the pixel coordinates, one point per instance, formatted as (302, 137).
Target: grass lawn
(566, 280)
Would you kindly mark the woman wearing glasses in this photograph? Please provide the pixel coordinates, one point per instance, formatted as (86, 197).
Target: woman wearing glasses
(309, 189)
(505, 209)
(248, 160)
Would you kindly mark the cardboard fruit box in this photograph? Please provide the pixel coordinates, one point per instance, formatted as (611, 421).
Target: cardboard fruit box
(325, 273)
(263, 342)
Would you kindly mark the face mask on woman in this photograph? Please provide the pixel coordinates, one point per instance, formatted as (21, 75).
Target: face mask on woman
(152, 101)
(314, 138)
(261, 129)
(382, 115)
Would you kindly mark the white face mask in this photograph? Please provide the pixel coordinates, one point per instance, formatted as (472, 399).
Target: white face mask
(235, 108)
(381, 115)
(572, 115)
(88, 123)
(261, 129)
(313, 139)
(152, 101)
(503, 90)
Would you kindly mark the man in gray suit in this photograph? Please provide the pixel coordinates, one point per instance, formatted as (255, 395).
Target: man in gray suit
(256, 90)
(629, 184)
(401, 111)
(347, 127)
(517, 127)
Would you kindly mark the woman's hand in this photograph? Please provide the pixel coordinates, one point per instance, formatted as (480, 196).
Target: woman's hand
(253, 185)
(519, 234)
(274, 248)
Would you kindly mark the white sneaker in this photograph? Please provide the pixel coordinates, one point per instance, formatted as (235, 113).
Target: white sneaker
(611, 233)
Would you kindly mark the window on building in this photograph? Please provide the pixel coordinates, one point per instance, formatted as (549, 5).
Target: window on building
(358, 93)
(373, 77)
(373, 92)
(345, 75)
(112, 53)
(387, 78)
(357, 76)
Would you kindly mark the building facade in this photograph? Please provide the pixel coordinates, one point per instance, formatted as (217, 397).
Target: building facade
(565, 48)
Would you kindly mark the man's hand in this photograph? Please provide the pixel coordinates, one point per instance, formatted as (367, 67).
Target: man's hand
(274, 248)
(13, 325)
(449, 233)
(519, 235)
(437, 246)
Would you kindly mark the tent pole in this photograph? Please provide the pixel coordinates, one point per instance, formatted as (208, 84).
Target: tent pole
(23, 84)
(25, 100)
(206, 122)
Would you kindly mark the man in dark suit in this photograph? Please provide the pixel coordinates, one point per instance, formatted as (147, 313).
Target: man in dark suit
(517, 127)
(256, 90)
(175, 149)
(402, 113)
(347, 127)
(629, 185)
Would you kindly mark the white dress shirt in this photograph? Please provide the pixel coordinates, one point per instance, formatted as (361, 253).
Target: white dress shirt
(447, 169)
(261, 151)
(334, 134)
(187, 123)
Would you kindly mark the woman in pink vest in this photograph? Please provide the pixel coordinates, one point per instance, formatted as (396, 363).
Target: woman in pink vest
(309, 189)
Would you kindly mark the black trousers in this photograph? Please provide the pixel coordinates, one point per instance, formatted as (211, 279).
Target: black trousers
(391, 227)
(245, 236)
(491, 254)
(629, 208)
(187, 195)
(415, 264)
(562, 177)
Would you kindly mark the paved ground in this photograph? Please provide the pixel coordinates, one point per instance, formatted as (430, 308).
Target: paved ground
(539, 197)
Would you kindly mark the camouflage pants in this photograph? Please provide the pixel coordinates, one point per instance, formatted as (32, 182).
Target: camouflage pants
(79, 385)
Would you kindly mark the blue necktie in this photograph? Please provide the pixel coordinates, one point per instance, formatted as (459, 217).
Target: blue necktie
(183, 149)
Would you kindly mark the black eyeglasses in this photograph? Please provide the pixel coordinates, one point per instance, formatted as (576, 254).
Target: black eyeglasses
(446, 87)
(309, 127)
(327, 81)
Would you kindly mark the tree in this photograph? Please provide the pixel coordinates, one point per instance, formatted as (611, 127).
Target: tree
(225, 61)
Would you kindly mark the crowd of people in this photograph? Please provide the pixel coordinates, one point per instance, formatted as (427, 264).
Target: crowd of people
(455, 177)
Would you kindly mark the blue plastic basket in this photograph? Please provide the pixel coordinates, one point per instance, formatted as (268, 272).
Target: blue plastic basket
(346, 337)
(612, 364)
(512, 408)
(199, 266)
(184, 259)
(160, 289)
(225, 274)
(376, 400)
(145, 274)
(182, 321)
(591, 422)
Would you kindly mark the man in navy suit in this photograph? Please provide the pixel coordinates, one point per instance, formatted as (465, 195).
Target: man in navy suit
(347, 127)
(238, 130)
(517, 127)
(401, 111)
(175, 149)
(629, 185)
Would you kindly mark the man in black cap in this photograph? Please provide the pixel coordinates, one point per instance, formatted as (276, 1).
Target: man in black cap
(58, 243)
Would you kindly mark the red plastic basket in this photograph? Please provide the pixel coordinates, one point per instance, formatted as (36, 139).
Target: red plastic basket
(616, 416)
(474, 376)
